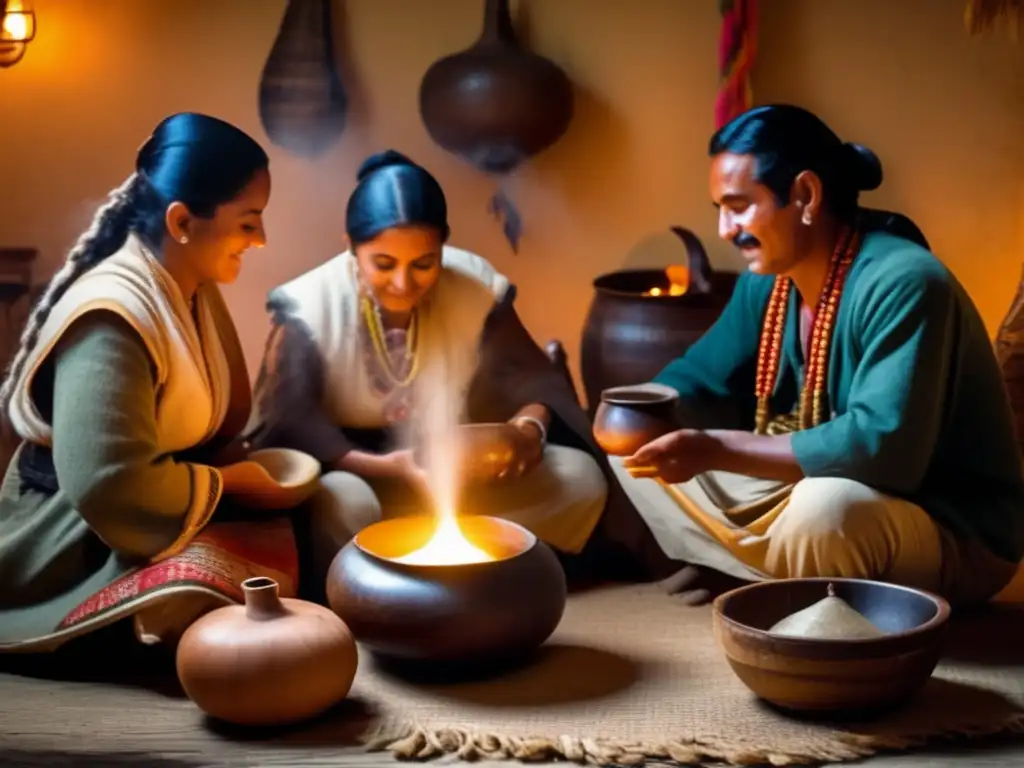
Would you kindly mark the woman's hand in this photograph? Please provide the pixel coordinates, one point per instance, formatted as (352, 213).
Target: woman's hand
(402, 466)
(675, 458)
(528, 448)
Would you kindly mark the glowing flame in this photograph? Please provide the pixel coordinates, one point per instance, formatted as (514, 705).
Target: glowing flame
(448, 546)
(678, 281)
(442, 450)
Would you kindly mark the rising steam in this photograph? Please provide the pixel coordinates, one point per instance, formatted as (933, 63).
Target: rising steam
(435, 435)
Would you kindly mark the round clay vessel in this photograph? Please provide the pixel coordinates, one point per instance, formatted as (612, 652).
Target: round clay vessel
(485, 453)
(629, 417)
(291, 477)
(496, 104)
(629, 337)
(270, 661)
(477, 612)
(831, 676)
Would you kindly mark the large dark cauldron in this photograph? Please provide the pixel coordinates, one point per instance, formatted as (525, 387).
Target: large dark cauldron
(630, 335)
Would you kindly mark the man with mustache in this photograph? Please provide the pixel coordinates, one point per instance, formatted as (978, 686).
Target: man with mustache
(846, 409)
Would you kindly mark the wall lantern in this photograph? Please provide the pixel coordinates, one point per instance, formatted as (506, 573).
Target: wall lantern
(17, 28)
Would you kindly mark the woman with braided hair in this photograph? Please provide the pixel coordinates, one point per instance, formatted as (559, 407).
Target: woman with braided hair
(129, 391)
(845, 415)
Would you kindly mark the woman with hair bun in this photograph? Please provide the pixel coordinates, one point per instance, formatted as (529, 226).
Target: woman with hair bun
(354, 342)
(128, 382)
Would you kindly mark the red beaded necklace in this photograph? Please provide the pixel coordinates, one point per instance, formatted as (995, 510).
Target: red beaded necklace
(813, 399)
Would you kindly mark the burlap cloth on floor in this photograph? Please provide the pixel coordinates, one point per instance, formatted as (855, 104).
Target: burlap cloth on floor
(632, 675)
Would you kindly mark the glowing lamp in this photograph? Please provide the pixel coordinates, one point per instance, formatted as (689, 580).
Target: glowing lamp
(17, 29)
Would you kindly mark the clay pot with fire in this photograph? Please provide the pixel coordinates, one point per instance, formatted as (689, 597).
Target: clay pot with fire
(642, 319)
(472, 589)
(271, 661)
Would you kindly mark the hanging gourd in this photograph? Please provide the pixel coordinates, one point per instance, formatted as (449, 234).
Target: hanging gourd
(303, 104)
(496, 105)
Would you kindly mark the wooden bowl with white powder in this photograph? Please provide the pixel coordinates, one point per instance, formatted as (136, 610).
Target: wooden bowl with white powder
(830, 673)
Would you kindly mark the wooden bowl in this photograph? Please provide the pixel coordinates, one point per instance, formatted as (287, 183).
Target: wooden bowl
(290, 478)
(831, 676)
(476, 612)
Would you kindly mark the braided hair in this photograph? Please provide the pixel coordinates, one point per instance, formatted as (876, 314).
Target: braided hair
(105, 236)
(198, 160)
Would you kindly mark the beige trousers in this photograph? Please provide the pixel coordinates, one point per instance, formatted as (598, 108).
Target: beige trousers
(826, 527)
(560, 501)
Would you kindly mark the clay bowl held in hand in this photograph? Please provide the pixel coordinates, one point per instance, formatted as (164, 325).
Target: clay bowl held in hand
(831, 676)
(473, 613)
(630, 417)
(487, 451)
(290, 477)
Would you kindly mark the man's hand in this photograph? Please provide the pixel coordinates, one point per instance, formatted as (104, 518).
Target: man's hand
(675, 458)
(678, 456)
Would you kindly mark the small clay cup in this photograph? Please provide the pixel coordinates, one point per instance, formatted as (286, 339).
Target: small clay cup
(630, 417)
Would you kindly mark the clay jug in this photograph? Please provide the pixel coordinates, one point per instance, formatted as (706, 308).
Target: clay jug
(302, 101)
(270, 661)
(496, 104)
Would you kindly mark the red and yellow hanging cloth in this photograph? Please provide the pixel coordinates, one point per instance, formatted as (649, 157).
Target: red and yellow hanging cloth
(737, 49)
(981, 16)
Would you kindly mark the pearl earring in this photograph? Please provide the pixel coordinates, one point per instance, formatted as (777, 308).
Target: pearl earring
(806, 218)
(183, 240)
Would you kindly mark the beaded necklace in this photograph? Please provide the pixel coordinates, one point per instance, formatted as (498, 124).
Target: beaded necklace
(813, 399)
(411, 357)
(391, 370)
